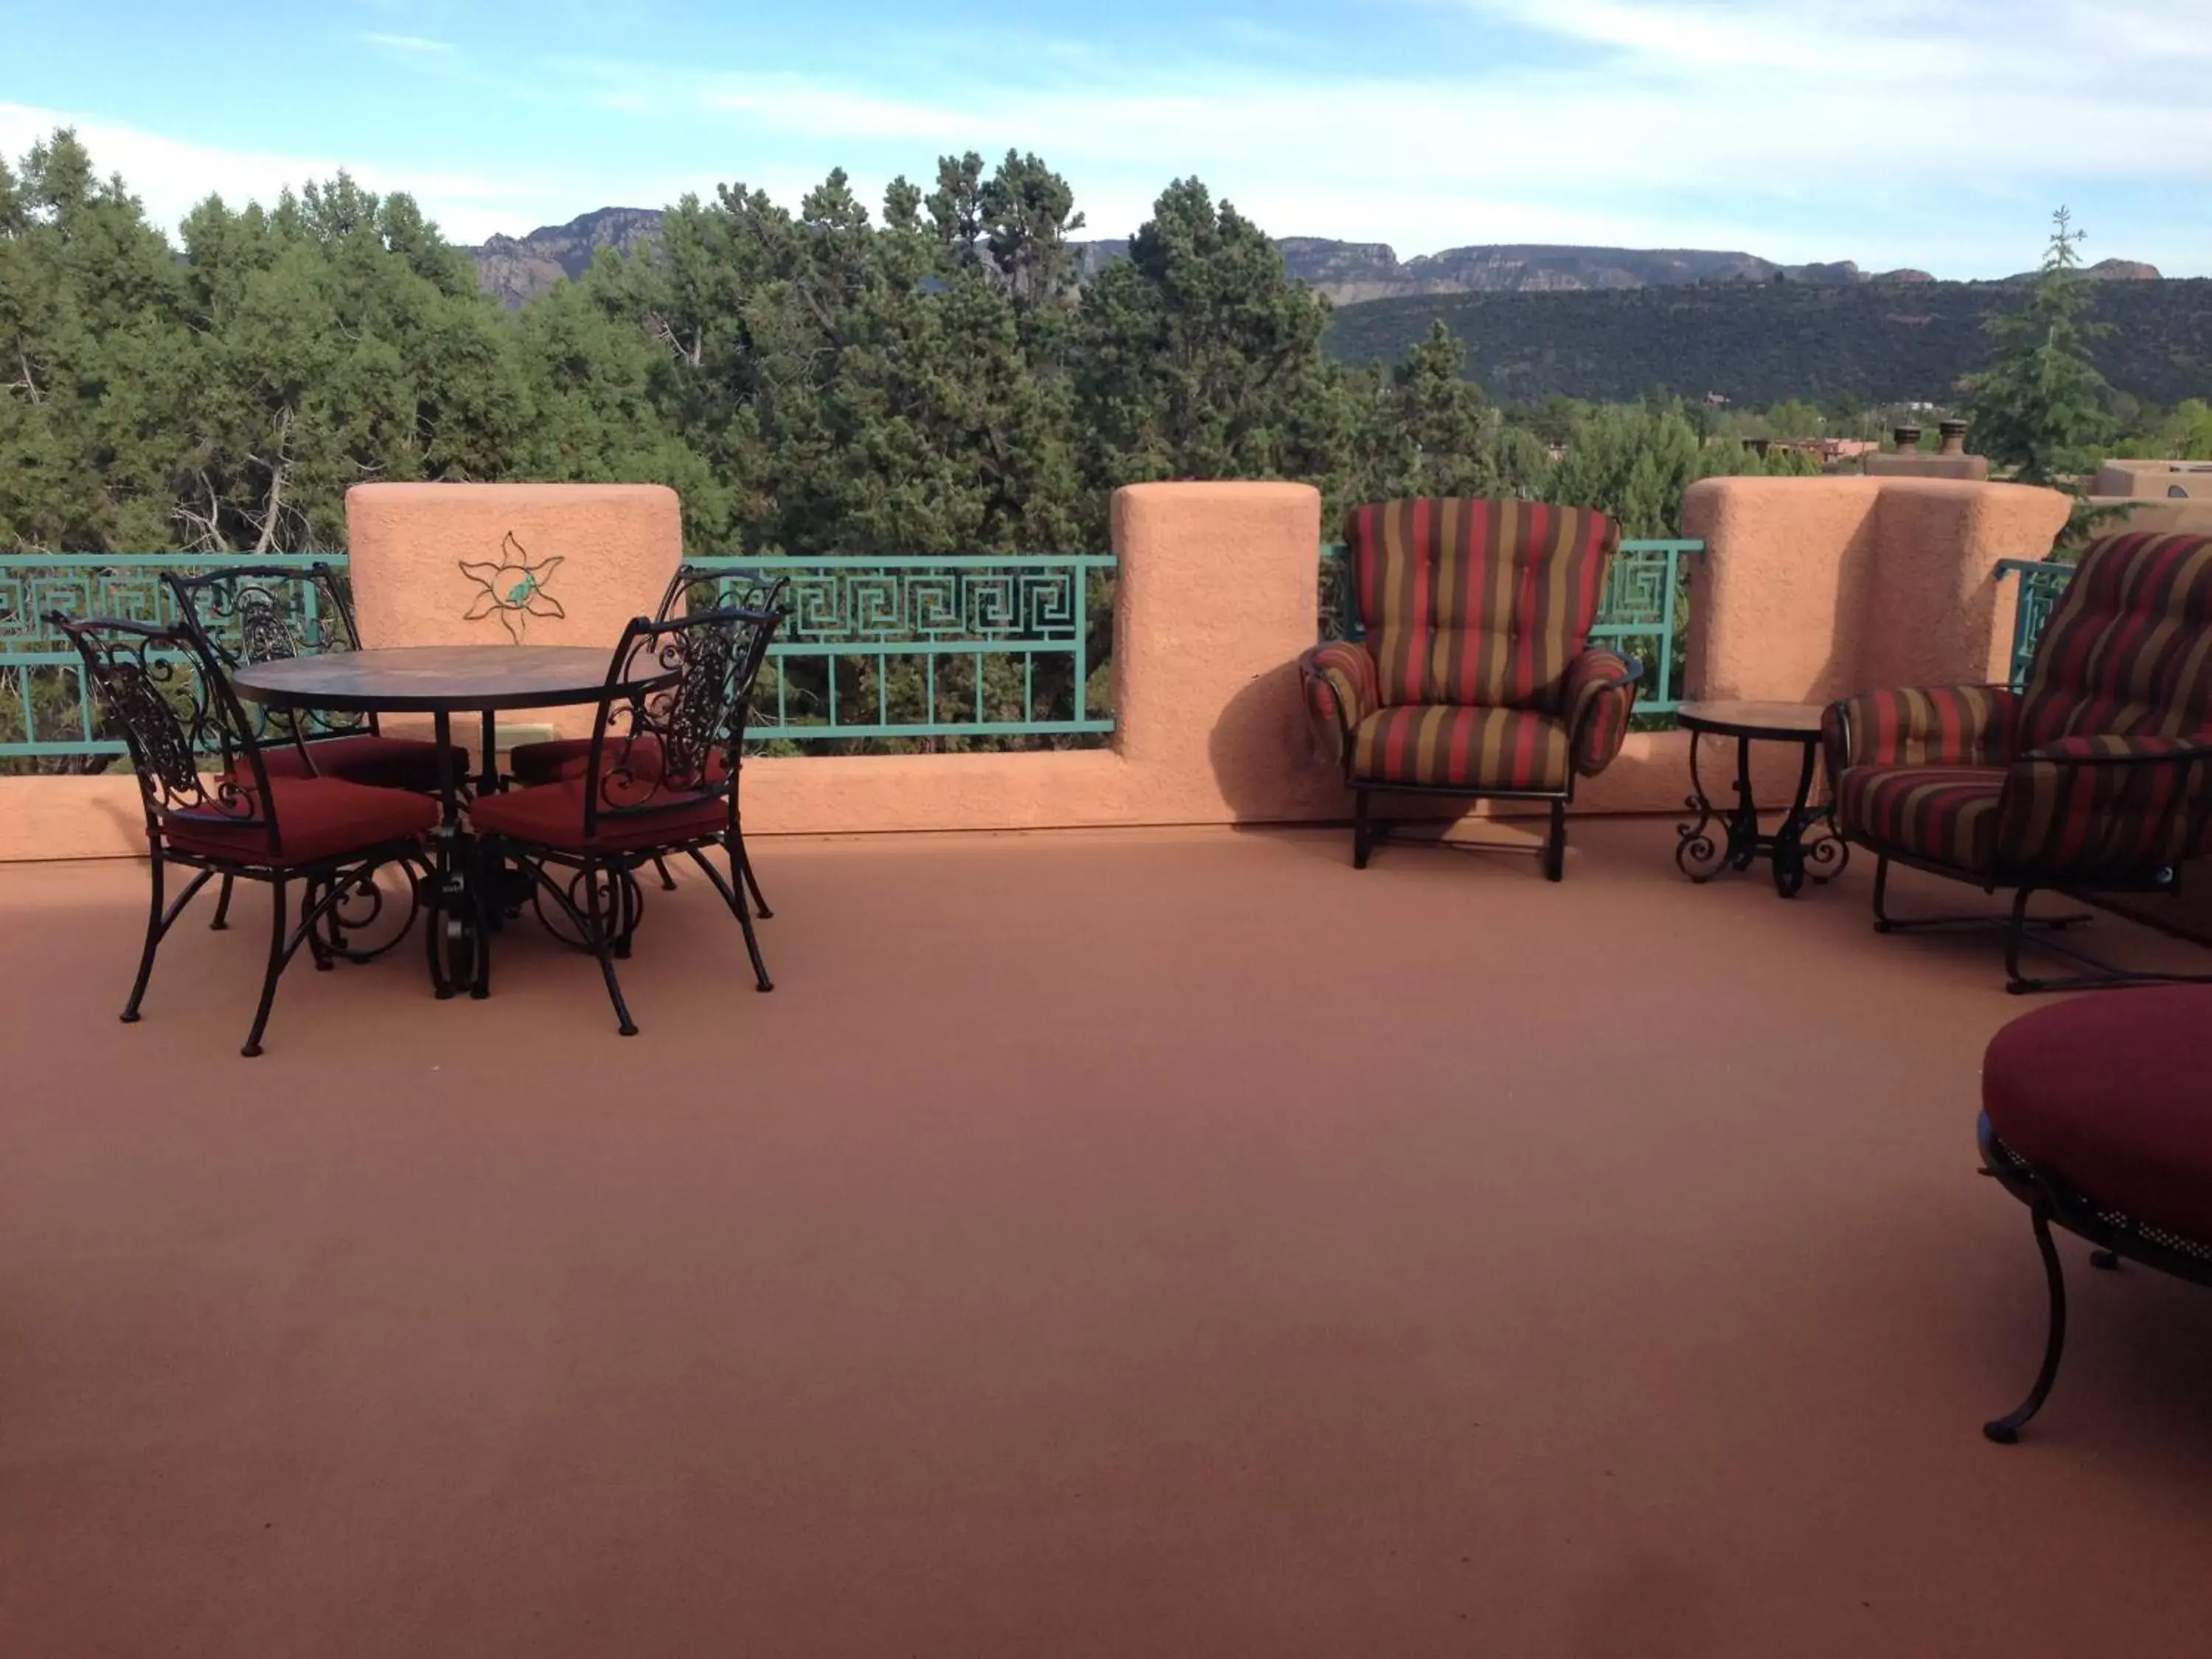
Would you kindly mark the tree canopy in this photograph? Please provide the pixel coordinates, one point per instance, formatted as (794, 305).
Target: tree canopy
(929, 376)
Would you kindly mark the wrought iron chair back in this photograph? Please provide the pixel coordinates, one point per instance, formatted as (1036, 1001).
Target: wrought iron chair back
(695, 587)
(164, 687)
(674, 745)
(250, 613)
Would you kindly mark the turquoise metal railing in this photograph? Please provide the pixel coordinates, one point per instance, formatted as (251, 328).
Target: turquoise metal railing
(930, 646)
(1644, 613)
(927, 647)
(2041, 582)
(43, 708)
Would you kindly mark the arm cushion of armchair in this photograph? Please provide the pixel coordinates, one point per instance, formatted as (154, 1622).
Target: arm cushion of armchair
(1925, 726)
(2113, 807)
(1599, 694)
(1340, 692)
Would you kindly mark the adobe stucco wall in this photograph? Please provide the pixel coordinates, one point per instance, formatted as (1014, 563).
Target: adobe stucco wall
(1811, 587)
(444, 563)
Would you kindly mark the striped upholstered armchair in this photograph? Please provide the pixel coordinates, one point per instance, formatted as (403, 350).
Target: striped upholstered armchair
(1474, 676)
(2096, 778)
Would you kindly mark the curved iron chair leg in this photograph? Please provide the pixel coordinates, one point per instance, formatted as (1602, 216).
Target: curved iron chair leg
(222, 908)
(760, 981)
(318, 947)
(156, 925)
(1362, 835)
(277, 954)
(752, 881)
(1555, 845)
(667, 881)
(2005, 1430)
(595, 930)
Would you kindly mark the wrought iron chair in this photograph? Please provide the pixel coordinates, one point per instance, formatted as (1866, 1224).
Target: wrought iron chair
(256, 613)
(2096, 778)
(1475, 676)
(660, 779)
(238, 820)
(695, 588)
(2097, 1115)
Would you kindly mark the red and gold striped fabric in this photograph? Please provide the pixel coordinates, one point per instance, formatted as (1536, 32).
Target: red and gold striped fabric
(1474, 601)
(2127, 651)
(2083, 807)
(1943, 815)
(1930, 725)
(1454, 746)
(1599, 698)
(1339, 679)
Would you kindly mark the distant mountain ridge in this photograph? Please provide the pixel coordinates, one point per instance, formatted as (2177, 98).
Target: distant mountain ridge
(514, 267)
(1758, 344)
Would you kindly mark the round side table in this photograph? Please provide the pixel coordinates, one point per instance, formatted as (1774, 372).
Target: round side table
(1702, 851)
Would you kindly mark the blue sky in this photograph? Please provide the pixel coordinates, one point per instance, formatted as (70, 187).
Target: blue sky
(1937, 133)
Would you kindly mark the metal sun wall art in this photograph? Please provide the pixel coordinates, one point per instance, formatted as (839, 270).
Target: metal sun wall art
(513, 588)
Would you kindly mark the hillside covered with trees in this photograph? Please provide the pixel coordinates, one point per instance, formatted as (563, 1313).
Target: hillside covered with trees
(929, 377)
(1758, 344)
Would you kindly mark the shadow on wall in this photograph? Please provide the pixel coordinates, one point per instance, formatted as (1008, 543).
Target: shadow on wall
(1267, 762)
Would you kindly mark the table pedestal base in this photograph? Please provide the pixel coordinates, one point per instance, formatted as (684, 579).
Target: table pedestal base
(1805, 843)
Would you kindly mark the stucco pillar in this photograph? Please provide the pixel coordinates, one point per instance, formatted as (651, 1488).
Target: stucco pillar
(1219, 592)
(1813, 588)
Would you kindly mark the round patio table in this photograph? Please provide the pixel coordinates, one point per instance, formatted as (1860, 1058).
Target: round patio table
(1792, 853)
(442, 681)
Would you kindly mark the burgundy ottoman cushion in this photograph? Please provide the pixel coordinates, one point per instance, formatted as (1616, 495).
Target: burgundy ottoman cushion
(2112, 1093)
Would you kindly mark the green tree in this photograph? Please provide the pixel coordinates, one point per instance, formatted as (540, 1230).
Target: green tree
(90, 360)
(1200, 359)
(2042, 405)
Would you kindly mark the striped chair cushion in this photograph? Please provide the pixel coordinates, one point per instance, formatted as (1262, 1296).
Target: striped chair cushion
(1598, 704)
(1473, 601)
(1339, 679)
(2062, 818)
(1927, 725)
(1451, 745)
(1942, 814)
(2129, 649)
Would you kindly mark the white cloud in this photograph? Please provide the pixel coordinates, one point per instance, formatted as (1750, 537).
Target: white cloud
(417, 46)
(1890, 132)
(171, 176)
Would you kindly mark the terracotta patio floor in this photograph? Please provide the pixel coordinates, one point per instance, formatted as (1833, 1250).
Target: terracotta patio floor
(1140, 1244)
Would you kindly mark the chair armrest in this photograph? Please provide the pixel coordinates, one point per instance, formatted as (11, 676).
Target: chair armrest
(1339, 679)
(1925, 725)
(1598, 696)
(2126, 809)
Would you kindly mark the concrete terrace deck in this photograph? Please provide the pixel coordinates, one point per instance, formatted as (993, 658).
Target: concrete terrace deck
(1136, 1245)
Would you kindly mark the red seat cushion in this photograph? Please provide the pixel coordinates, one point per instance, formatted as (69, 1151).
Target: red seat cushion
(385, 763)
(550, 762)
(552, 815)
(1456, 746)
(317, 818)
(565, 758)
(1946, 815)
(2110, 1093)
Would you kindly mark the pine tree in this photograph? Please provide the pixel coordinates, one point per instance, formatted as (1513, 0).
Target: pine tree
(2042, 403)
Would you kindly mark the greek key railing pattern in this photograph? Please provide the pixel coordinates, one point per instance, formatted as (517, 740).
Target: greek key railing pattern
(2041, 582)
(43, 708)
(963, 646)
(1645, 614)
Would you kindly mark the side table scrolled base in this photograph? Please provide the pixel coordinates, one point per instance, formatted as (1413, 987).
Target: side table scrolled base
(1805, 844)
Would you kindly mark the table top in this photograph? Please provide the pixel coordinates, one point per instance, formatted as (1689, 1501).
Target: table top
(429, 678)
(1798, 721)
